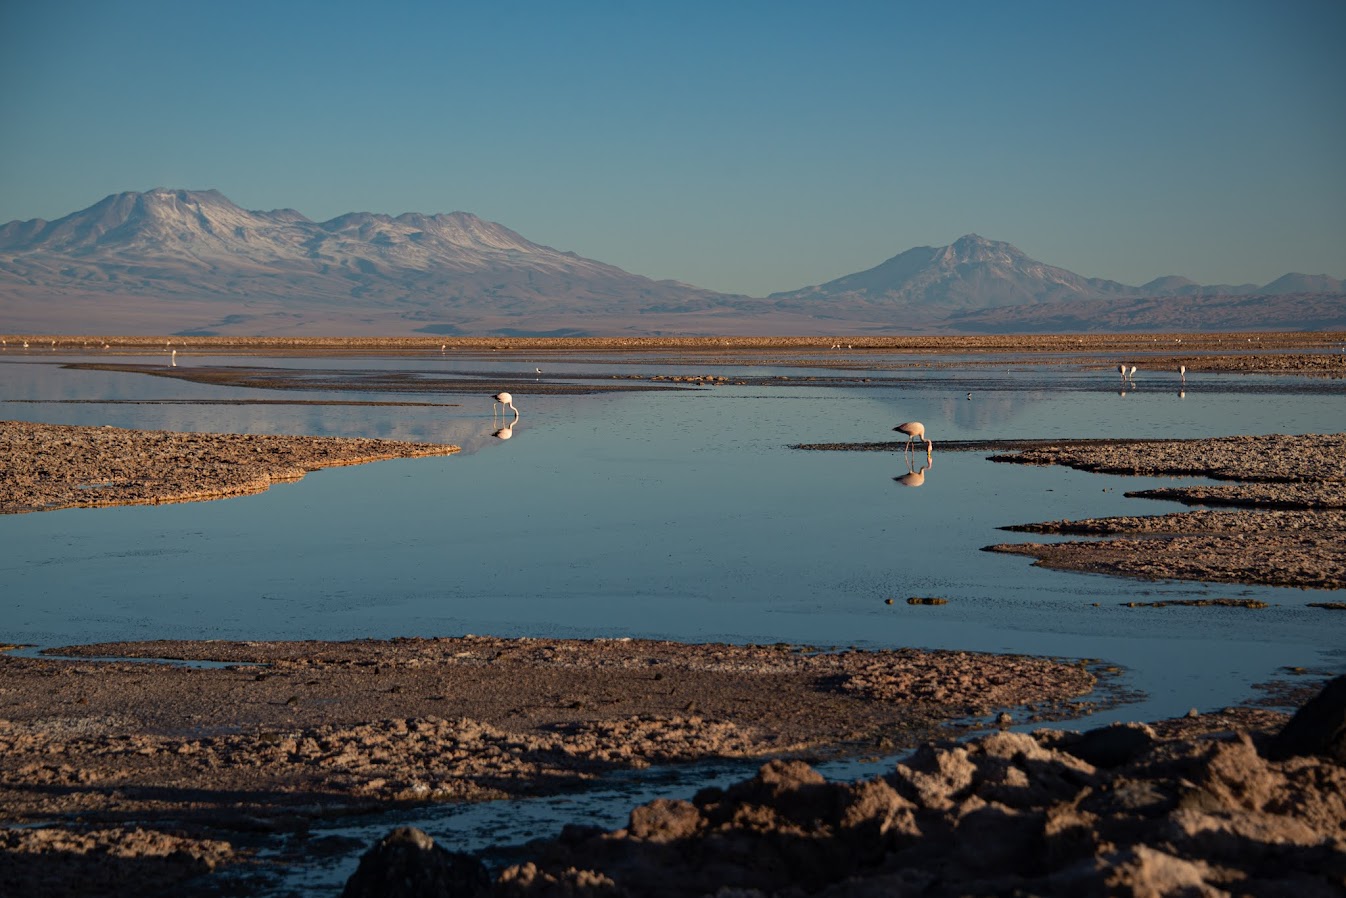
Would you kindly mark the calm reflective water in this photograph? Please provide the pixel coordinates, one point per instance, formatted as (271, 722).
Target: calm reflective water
(671, 515)
(668, 515)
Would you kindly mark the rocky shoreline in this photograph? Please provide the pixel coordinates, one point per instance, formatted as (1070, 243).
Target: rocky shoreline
(1183, 808)
(1288, 530)
(124, 778)
(191, 763)
(44, 467)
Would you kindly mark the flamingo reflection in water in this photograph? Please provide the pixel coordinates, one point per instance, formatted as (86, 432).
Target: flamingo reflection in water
(913, 477)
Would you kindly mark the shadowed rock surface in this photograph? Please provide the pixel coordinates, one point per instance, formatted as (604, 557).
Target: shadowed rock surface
(1122, 810)
(407, 863)
(128, 861)
(1318, 728)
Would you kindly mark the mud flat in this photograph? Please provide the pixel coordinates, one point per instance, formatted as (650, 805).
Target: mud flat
(143, 754)
(1289, 529)
(50, 466)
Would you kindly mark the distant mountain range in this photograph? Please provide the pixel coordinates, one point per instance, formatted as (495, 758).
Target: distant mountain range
(192, 262)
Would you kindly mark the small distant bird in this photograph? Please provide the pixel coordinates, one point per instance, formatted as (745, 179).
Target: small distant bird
(173, 359)
(505, 399)
(1133, 372)
(1182, 369)
(1121, 369)
(538, 370)
(913, 430)
(969, 395)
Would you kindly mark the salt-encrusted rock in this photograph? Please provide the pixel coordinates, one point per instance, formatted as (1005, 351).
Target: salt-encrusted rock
(1009, 813)
(664, 820)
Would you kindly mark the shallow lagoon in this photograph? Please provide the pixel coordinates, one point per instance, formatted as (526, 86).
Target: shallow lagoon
(682, 515)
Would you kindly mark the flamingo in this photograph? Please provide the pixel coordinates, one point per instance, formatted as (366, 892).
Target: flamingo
(1182, 370)
(505, 399)
(1121, 369)
(914, 429)
(173, 359)
(1133, 372)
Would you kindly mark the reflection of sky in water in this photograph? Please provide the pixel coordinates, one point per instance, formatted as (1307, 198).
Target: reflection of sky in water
(680, 515)
(671, 515)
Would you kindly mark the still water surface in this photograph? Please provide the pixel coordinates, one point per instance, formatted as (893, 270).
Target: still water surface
(680, 515)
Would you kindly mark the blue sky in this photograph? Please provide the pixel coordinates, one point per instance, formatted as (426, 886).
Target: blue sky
(742, 146)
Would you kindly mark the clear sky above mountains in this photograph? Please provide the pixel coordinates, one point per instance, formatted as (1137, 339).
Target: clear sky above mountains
(744, 147)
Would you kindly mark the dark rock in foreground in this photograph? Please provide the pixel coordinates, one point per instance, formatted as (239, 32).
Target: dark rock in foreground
(407, 863)
(1318, 728)
(1116, 811)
